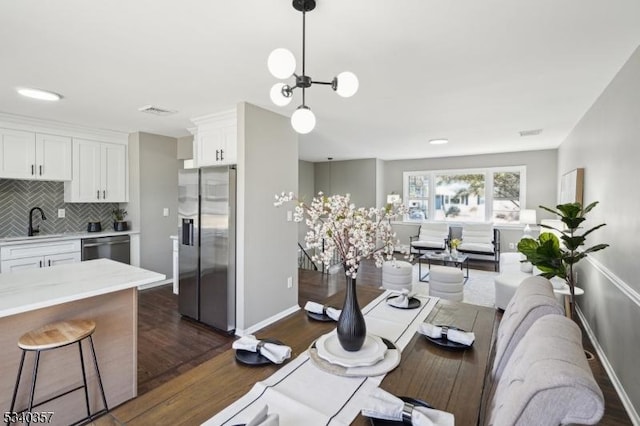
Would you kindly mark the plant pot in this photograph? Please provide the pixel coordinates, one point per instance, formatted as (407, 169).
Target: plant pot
(351, 329)
(120, 226)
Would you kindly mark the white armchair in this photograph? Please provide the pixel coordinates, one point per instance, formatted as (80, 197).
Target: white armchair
(432, 236)
(482, 239)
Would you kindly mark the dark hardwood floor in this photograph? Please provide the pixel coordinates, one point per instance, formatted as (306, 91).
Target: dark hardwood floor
(169, 345)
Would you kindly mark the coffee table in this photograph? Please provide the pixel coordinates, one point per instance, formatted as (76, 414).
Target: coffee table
(461, 260)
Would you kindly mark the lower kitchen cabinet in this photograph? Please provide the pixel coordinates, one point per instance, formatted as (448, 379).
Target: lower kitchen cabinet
(28, 256)
(39, 261)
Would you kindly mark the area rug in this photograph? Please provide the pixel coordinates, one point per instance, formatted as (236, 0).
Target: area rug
(478, 290)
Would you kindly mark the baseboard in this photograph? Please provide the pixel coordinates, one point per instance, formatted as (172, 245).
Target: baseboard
(628, 405)
(268, 321)
(156, 284)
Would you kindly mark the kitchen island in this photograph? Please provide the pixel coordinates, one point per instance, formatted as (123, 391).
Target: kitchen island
(102, 290)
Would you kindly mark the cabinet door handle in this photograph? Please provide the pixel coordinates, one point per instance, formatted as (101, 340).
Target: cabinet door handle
(49, 262)
(98, 194)
(40, 170)
(33, 166)
(41, 263)
(221, 155)
(217, 154)
(104, 194)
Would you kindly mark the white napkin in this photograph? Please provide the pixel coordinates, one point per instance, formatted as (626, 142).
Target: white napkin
(399, 299)
(275, 353)
(458, 336)
(382, 405)
(264, 419)
(317, 308)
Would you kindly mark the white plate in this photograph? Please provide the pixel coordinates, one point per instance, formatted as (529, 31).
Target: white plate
(372, 351)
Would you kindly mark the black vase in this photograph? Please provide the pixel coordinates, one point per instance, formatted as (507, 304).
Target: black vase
(119, 226)
(352, 329)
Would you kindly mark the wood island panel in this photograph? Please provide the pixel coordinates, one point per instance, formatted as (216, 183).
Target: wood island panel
(115, 340)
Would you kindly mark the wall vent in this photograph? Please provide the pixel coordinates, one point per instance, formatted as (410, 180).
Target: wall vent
(150, 109)
(534, 132)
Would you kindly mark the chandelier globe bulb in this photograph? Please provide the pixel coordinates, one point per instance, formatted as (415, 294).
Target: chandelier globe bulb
(303, 120)
(347, 84)
(281, 63)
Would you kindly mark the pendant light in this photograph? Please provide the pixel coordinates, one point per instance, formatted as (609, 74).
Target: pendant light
(282, 65)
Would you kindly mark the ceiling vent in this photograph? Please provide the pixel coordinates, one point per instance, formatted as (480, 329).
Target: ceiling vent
(150, 109)
(534, 132)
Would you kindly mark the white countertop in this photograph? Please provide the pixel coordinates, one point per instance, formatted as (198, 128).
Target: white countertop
(6, 241)
(33, 289)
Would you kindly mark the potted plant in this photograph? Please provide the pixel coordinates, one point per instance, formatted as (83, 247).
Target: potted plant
(554, 260)
(118, 219)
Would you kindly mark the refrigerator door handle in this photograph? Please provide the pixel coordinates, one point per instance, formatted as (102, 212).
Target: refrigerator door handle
(187, 232)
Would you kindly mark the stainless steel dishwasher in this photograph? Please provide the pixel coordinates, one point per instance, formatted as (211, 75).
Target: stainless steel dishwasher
(115, 248)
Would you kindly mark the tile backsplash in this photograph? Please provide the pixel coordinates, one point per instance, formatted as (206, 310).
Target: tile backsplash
(17, 197)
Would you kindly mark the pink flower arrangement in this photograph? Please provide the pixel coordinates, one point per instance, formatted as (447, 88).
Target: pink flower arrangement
(353, 233)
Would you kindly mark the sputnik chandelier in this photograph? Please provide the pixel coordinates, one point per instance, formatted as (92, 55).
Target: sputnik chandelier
(282, 65)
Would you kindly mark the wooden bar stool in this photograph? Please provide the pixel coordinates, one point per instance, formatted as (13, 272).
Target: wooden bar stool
(54, 336)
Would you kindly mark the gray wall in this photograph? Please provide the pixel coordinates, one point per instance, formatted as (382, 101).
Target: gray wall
(185, 148)
(156, 169)
(541, 186)
(381, 197)
(606, 142)
(267, 165)
(305, 191)
(355, 177)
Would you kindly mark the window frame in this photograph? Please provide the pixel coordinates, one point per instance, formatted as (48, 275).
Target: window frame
(488, 173)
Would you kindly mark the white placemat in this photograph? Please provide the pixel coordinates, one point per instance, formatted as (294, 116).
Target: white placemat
(301, 393)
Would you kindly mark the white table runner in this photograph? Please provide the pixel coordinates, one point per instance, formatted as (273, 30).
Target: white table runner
(302, 394)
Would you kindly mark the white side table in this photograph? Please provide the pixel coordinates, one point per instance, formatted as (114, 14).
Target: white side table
(577, 291)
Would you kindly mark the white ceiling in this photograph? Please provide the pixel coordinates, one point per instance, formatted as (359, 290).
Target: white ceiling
(475, 72)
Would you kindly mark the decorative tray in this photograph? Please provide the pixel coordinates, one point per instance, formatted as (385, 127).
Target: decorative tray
(255, 358)
(330, 350)
(446, 343)
(413, 303)
(390, 361)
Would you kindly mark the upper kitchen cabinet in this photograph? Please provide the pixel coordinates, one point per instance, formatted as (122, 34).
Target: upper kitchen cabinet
(215, 139)
(99, 173)
(30, 155)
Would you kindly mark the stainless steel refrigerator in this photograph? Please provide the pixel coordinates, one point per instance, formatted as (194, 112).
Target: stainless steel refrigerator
(207, 249)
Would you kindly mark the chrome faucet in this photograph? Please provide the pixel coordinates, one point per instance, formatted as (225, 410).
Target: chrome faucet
(31, 230)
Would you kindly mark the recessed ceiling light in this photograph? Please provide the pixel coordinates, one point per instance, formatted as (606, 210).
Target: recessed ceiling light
(43, 95)
(438, 141)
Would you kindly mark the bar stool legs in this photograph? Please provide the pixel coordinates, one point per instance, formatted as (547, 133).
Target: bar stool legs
(39, 341)
(95, 363)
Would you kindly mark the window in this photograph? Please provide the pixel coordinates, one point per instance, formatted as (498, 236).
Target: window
(470, 195)
(460, 197)
(418, 198)
(506, 197)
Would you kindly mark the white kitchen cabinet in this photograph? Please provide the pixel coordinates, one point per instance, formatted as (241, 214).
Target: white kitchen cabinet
(100, 173)
(215, 139)
(34, 156)
(41, 255)
(39, 262)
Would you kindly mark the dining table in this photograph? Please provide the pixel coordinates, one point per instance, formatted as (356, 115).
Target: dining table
(449, 380)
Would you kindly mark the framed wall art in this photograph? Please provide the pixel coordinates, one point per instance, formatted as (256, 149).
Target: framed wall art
(571, 186)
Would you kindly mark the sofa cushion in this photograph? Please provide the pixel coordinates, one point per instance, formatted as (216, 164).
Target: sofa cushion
(547, 381)
(533, 299)
(477, 247)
